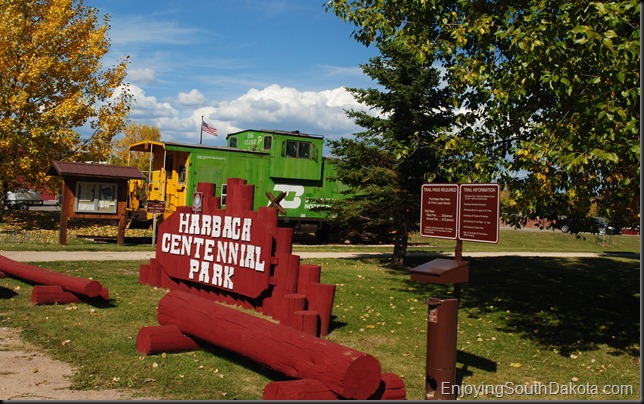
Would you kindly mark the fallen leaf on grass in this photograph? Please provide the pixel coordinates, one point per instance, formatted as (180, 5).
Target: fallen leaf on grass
(515, 365)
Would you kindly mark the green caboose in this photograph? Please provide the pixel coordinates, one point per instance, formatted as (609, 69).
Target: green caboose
(273, 161)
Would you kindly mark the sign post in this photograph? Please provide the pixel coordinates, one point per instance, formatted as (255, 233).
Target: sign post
(460, 212)
(155, 207)
(457, 212)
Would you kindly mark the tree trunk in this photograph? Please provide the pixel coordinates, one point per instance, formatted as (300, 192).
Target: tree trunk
(400, 245)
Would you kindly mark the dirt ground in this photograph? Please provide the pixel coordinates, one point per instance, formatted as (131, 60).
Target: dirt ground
(27, 373)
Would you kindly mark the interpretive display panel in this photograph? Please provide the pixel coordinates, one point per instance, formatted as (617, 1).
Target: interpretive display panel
(468, 212)
(479, 213)
(439, 211)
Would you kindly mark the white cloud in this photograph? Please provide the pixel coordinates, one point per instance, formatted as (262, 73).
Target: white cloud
(193, 98)
(287, 108)
(142, 76)
(273, 107)
(141, 29)
(148, 107)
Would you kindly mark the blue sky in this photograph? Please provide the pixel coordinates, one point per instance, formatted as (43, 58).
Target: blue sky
(242, 64)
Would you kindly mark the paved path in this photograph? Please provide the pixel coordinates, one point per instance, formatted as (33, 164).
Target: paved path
(44, 256)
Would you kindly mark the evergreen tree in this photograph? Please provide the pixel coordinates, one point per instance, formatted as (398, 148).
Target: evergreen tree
(386, 165)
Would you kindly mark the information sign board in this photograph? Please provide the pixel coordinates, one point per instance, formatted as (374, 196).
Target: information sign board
(467, 212)
(479, 213)
(439, 210)
(155, 207)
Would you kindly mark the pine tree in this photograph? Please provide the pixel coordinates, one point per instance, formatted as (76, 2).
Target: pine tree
(400, 149)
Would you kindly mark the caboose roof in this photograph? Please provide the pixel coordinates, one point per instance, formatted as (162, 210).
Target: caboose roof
(279, 132)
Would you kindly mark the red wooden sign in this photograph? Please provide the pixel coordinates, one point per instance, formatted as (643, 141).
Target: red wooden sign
(155, 207)
(439, 210)
(217, 248)
(241, 257)
(479, 213)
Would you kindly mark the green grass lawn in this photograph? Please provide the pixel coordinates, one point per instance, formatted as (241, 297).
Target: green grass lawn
(569, 324)
(38, 231)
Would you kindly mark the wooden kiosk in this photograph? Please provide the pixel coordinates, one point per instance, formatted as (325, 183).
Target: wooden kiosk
(94, 191)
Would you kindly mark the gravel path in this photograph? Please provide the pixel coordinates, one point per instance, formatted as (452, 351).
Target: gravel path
(28, 373)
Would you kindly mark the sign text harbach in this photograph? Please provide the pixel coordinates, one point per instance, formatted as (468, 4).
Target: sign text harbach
(219, 250)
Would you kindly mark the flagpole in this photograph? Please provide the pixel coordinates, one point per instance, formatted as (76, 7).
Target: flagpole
(201, 132)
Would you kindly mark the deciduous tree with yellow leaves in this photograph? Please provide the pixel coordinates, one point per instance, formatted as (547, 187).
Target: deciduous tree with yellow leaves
(133, 133)
(53, 82)
(548, 92)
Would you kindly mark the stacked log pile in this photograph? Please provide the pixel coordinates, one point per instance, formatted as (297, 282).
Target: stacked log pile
(195, 309)
(295, 297)
(53, 287)
(321, 369)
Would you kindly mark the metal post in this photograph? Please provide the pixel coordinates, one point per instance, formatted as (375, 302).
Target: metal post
(442, 320)
(458, 250)
(154, 229)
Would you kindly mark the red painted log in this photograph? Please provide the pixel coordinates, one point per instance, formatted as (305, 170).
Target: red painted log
(307, 321)
(320, 297)
(345, 371)
(308, 274)
(154, 275)
(392, 387)
(285, 283)
(52, 294)
(144, 274)
(31, 273)
(163, 338)
(303, 389)
(2, 275)
(293, 302)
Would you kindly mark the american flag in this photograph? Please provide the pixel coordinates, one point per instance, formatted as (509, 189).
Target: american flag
(208, 129)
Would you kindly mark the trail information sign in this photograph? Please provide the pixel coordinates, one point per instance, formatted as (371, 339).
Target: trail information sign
(467, 212)
(439, 210)
(479, 213)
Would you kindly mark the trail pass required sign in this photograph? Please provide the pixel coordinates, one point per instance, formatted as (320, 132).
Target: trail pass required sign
(439, 211)
(468, 212)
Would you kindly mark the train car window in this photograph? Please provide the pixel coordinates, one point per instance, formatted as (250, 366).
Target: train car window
(291, 148)
(314, 152)
(304, 150)
(169, 166)
(268, 142)
(182, 174)
(297, 149)
(224, 191)
(232, 142)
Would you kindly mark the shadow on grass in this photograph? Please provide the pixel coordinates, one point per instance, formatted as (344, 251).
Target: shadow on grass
(7, 293)
(569, 304)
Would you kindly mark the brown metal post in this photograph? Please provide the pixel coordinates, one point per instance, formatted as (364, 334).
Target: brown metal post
(442, 320)
(66, 200)
(458, 250)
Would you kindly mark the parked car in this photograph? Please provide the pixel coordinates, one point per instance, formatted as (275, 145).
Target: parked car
(22, 199)
(594, 225)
